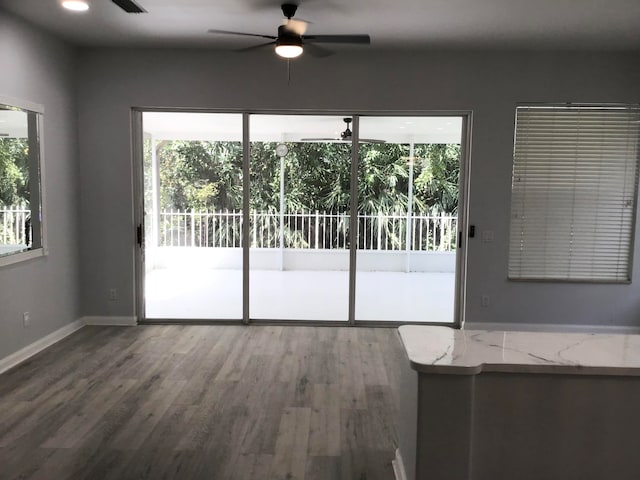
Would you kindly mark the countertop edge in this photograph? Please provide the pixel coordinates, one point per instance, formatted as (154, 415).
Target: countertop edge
(439, 355)
(517, 368)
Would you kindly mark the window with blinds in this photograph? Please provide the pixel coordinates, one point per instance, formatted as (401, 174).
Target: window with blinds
(573, 195)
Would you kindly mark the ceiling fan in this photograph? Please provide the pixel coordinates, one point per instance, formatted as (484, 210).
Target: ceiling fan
(345, 136)
(129, 6)
(291, 40)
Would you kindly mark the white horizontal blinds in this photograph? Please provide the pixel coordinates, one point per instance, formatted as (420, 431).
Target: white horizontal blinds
(573, 197)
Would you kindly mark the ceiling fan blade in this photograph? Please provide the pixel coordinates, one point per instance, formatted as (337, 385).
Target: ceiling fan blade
(255, 47)
(333, 139)
(341, 140)
(345, 137)
(360, 39)
(129, 6)
(227, 32)
(317, 50)
(363, 140)
(297, 27)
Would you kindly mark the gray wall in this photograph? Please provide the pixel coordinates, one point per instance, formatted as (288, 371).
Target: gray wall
(490, 84)
(40, 69)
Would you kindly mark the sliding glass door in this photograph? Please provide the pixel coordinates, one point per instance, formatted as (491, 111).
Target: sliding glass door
(192, 215)
(299, 218)
(408, 189)
(330, 236)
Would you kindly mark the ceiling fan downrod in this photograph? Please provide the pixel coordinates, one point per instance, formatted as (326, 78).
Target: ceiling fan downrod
(289, 9)
(346, 135)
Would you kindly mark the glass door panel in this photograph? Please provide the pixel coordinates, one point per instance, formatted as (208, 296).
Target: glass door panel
(299, 218)
(408, 174)
(193, 215)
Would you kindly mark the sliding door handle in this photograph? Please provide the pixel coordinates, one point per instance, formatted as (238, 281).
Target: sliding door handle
(139, 235)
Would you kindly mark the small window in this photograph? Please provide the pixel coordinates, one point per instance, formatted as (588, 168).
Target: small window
(20, 187)
(574, 190)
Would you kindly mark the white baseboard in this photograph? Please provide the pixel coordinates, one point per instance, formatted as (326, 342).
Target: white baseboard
(398, 467)
(551, 327)
(39, 345)
(111, 321)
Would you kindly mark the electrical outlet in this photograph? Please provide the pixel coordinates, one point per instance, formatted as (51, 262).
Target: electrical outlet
(26, 319)
(485, 300)
(113, 294)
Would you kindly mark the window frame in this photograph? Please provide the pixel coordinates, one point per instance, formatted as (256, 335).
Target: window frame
(633, 226)
(42, 250)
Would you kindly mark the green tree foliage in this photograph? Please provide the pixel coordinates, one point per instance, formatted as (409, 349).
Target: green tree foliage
(317, 177)
(14, 171)
(264, 172)
(208, 175)
(438, 174)
(383, 178)
(200, 175)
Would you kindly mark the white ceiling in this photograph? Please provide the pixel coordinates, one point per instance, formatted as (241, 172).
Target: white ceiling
(13, 124)
(292, 128)
(530, 24)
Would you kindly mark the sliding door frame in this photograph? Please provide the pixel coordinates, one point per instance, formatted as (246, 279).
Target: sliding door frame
(137, 156)
(246, 217)
(353, 217)
(459, 302)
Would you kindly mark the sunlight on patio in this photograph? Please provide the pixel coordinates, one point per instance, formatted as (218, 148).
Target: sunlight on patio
(299, 295)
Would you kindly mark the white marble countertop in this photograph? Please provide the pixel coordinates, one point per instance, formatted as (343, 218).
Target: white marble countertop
(445, 350)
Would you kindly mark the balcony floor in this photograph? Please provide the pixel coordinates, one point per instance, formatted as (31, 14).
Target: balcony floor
(299, 295)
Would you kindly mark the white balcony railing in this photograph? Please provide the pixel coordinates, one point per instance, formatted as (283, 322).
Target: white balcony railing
(302, 230)
(306, 230)
(14, 225)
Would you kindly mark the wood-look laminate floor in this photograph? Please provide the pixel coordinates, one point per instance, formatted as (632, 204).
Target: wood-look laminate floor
(204, 402)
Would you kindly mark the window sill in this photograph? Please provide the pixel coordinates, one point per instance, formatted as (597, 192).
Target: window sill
(22, 256)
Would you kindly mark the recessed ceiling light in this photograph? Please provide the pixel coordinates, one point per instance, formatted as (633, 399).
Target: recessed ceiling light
(75, 5)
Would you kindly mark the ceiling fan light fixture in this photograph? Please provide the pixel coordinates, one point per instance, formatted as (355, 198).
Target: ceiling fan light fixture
(289, 43)
(75, 5)
(289, 50)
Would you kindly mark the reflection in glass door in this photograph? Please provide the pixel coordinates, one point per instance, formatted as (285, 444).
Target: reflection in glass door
(408, 177)
(299, 218)
(192, 215)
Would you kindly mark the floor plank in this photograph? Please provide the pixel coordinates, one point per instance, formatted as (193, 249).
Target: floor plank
(204, 402)
(324, 432)
(291, 446)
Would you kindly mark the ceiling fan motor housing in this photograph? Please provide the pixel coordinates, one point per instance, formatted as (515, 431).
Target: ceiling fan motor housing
(346, 135)
(287, 37)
